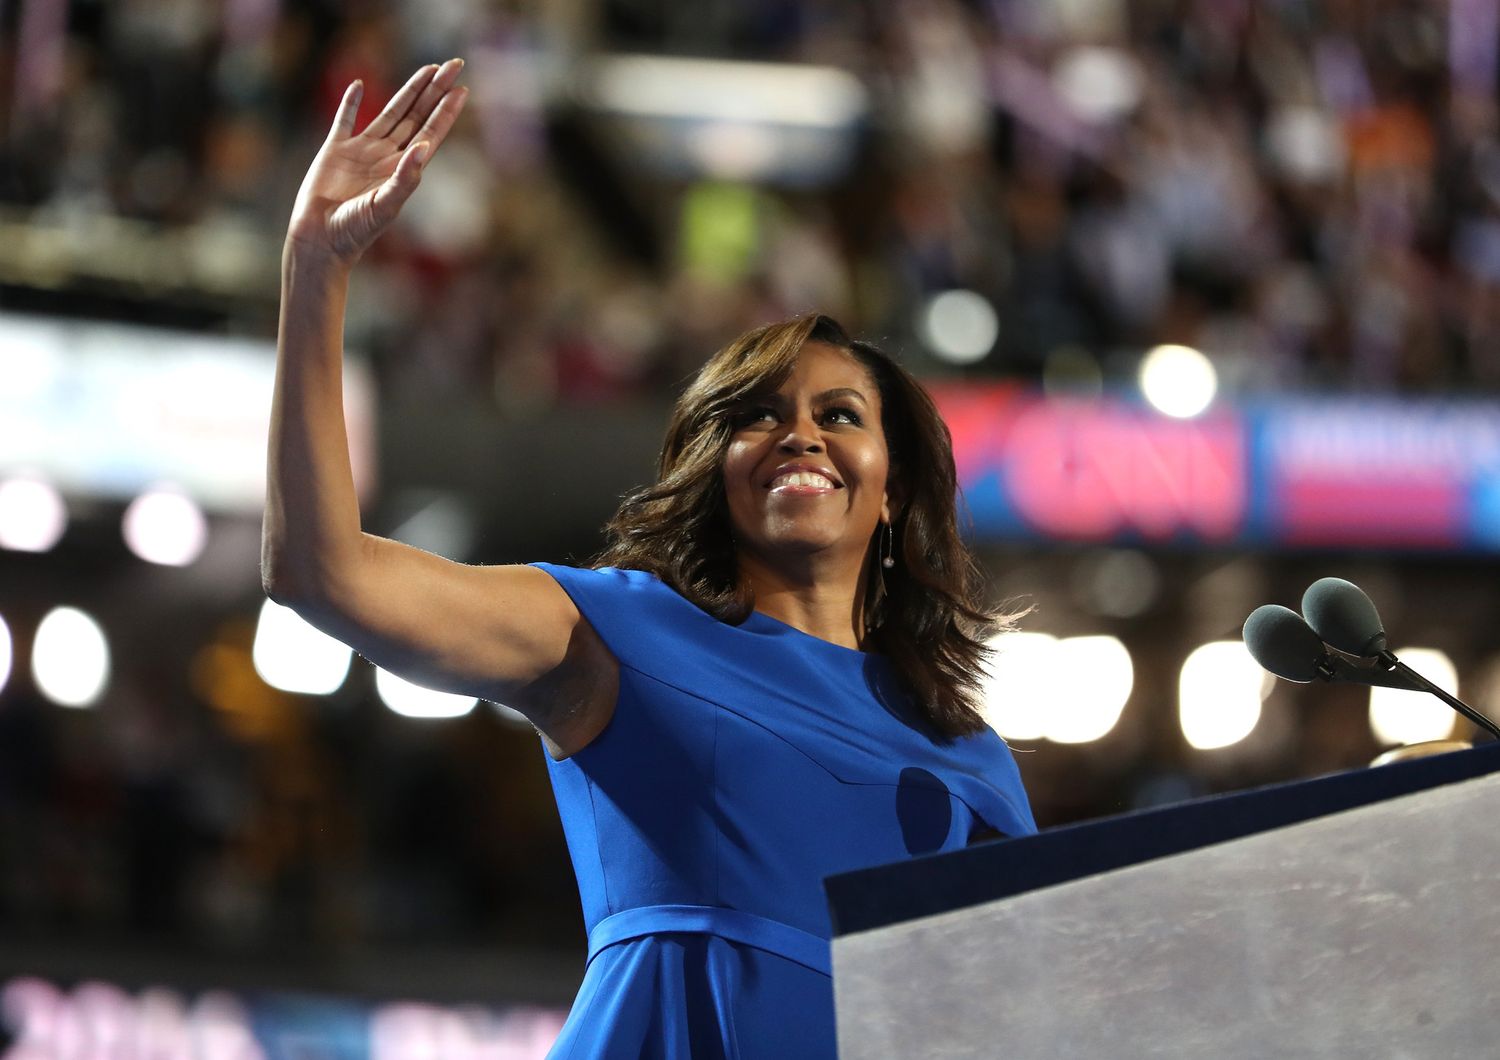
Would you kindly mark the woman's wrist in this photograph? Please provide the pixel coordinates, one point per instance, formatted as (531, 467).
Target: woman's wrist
(310, 260)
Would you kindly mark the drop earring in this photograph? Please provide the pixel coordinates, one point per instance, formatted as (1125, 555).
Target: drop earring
(890, 541)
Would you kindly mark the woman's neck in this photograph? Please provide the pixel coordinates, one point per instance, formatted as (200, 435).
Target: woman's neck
(823, 600)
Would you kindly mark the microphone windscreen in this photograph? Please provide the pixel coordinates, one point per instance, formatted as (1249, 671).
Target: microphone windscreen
(1283, 643)
(1343, 616)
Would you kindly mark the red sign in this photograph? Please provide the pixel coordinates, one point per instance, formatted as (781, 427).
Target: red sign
(1093, 470)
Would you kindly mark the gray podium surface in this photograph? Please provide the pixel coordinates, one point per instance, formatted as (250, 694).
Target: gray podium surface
(1369, 933)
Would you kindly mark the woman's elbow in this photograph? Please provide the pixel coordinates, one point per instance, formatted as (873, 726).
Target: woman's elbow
(275, 583)
(306, 580)
(282, 579)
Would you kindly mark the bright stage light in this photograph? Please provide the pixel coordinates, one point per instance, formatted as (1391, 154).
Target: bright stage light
(5, 653)
(1179, 381)
(291, 655)
(166, 527)
(413, 701)
(1067, 691)
(70, 658)
(32, 515)
(1219, 694)
(1401, 717)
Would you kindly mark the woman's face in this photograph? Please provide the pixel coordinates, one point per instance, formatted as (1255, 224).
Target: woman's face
(807, 464)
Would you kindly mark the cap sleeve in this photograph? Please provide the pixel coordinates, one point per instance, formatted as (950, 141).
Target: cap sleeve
(634, 612)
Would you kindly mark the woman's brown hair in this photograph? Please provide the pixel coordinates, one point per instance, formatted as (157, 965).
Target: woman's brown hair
(924, 614)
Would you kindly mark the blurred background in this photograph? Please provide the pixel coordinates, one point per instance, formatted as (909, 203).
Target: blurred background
(1209, 292)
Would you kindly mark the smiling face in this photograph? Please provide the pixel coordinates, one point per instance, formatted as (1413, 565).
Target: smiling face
(807, 466)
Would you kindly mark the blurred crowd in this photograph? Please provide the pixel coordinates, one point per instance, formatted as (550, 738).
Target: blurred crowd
(1308, 192)
(228, 817)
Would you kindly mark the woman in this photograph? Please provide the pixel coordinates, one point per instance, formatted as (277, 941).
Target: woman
(771, 680)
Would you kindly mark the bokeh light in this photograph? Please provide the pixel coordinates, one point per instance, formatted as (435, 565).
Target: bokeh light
(1219, 694)
(1401, 717)
(959, 327)
(1095, 679)
(1178, 381)
(1016, 694)
(1117, 583)
(414, 701)
(165, 526)
(1100, 84)
(6, 653)
(1069, 690)
(291, 655)
(32, 515)
(70, 658)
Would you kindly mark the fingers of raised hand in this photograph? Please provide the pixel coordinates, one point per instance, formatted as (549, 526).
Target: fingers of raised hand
(401, 102)
(413, 104)
(435, 129)
(343, 119)
(438, 89)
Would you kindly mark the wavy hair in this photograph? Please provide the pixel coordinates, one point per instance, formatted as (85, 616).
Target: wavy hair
(924, 615)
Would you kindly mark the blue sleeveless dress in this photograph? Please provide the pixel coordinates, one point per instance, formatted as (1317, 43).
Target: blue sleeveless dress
(742, 765)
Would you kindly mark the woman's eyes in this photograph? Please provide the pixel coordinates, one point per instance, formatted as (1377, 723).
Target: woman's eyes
(755, 415)
(839, 414)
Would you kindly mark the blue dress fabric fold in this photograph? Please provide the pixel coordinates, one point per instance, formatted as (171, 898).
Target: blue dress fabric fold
(742, 765)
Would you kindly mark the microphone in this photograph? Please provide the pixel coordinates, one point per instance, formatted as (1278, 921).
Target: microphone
(1283, 643)
(1340, 615)
(1344, 617)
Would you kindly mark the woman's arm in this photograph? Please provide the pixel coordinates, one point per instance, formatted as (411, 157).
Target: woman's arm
(509, 634)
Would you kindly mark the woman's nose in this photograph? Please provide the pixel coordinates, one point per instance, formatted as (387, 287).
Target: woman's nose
(797, 441)
(802, 437)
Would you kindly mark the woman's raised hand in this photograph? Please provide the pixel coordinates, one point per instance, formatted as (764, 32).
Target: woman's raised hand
(359, 182)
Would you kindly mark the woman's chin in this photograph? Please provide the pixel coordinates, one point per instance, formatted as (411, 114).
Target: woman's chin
(802, 548)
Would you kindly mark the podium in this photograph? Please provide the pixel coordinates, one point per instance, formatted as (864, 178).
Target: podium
(1356, 914)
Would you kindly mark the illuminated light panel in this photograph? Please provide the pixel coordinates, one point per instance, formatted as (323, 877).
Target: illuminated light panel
(32, 515)
(70, 658)
(5, 653)
(413, 701)
(166, 527)
(291, 655)
(1401, 717)
(1094, 679)
(959, 327)
(795, 94)
(1178, 381)
(1219, 695)
(1071, 690)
